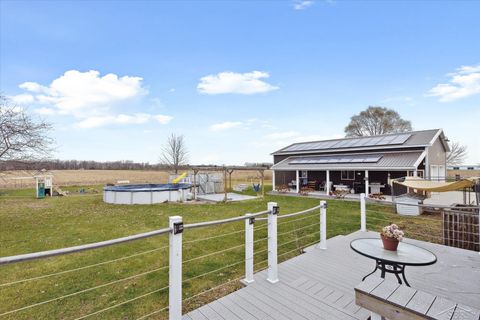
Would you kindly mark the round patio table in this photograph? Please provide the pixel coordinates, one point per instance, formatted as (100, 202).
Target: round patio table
(392, 261)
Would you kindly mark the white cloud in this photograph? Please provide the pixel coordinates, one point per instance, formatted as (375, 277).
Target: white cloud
(232, 82)
(91, 98)
(45, 111)
(247, 124)
(226, 125)
(464, 82)
(302, 4)
(85, 93)
(22, 99)
(162, 119)
(138, 118)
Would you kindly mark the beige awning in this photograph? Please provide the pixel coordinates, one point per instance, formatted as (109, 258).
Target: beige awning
(436, 186)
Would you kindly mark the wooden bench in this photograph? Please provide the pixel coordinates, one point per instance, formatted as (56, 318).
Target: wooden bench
(393, 301)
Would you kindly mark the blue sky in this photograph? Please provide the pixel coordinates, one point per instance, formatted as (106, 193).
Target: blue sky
(239, 79)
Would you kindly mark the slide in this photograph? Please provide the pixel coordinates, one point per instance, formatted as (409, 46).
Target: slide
(180, 177)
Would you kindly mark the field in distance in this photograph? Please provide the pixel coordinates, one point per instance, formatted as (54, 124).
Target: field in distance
(24, 179)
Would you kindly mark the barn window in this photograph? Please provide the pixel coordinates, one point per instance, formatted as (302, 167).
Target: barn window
(348, 175)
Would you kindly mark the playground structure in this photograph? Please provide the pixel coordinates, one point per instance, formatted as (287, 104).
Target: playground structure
(43, 184)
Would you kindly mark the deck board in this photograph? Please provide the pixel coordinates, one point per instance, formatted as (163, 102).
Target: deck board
(319, 284)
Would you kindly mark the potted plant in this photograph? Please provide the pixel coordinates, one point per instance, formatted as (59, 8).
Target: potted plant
(391, 235)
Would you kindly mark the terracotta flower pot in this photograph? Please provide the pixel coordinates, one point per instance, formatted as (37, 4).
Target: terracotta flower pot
(389, 243)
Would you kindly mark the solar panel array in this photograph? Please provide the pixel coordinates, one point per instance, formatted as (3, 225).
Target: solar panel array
(351, 143)
(338, 159)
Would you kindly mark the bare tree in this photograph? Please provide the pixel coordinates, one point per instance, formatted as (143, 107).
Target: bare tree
(376, 120)
(457, 154)
(174, 152)
(22, 137)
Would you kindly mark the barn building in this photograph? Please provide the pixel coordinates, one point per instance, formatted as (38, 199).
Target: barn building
(360, 164)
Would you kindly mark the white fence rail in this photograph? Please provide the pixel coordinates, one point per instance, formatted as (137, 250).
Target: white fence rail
(176, 263)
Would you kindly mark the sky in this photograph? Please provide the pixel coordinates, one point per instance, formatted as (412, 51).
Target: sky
(239, 79)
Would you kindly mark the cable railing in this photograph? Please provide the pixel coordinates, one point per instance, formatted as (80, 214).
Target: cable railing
(451, 226)
(220, 263)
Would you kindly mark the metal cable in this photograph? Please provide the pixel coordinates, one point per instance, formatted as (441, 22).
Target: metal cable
(290, 221)
(296, 239)
(213, 288)
(218, 222)
(304, 246)
(213, 271)
(122, 303)
(83, 291)
(213, 237)
(96, 245)
(299, 212)
(261, 239)
(237, 279)
(214, 253)
(291, 231)
(152, 313)
(413, 217)
(82, 268)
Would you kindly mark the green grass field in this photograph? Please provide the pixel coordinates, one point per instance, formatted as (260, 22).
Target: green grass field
(30, 225)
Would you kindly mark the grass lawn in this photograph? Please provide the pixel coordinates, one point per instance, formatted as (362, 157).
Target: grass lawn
(30, 225)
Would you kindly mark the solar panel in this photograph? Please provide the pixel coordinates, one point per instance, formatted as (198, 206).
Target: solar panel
(401, 138)
(337, 159)
(351, 142)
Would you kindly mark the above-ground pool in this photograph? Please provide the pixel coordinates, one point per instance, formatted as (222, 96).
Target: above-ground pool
(146, 193)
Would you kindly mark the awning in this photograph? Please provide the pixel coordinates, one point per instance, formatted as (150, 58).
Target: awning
(436, 186)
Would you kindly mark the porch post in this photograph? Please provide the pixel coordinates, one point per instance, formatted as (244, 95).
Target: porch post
(366, 183)
(273, 180)
(297, 181)
(327, 187)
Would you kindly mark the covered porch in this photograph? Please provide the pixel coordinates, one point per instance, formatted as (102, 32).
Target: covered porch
(346, 174)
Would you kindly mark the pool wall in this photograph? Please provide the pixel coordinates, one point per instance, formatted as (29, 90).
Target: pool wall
(146, 193)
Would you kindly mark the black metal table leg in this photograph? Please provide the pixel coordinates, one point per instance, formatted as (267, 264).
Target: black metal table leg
(396, 274)
(403, 276)
(376, 267)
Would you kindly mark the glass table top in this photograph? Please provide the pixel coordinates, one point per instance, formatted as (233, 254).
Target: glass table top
(406, 254)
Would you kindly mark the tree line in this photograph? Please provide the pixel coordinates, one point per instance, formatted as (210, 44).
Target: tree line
(57, 164)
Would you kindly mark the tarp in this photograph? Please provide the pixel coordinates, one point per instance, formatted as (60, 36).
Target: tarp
(436, 186)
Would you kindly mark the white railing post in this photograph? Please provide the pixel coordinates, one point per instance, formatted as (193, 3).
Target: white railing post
(323, 225)
(249, 223)
(272, 243)
(363, 213)
(175, 269)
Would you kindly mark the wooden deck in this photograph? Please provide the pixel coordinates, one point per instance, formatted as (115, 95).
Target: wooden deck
(320, 284)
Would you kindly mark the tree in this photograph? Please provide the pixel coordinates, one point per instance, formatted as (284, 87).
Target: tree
(457, 154)
(376, 120)
(174, 152)
(22, 137)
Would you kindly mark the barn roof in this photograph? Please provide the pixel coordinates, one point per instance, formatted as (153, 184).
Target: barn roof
(362, 161)
(385, 141)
